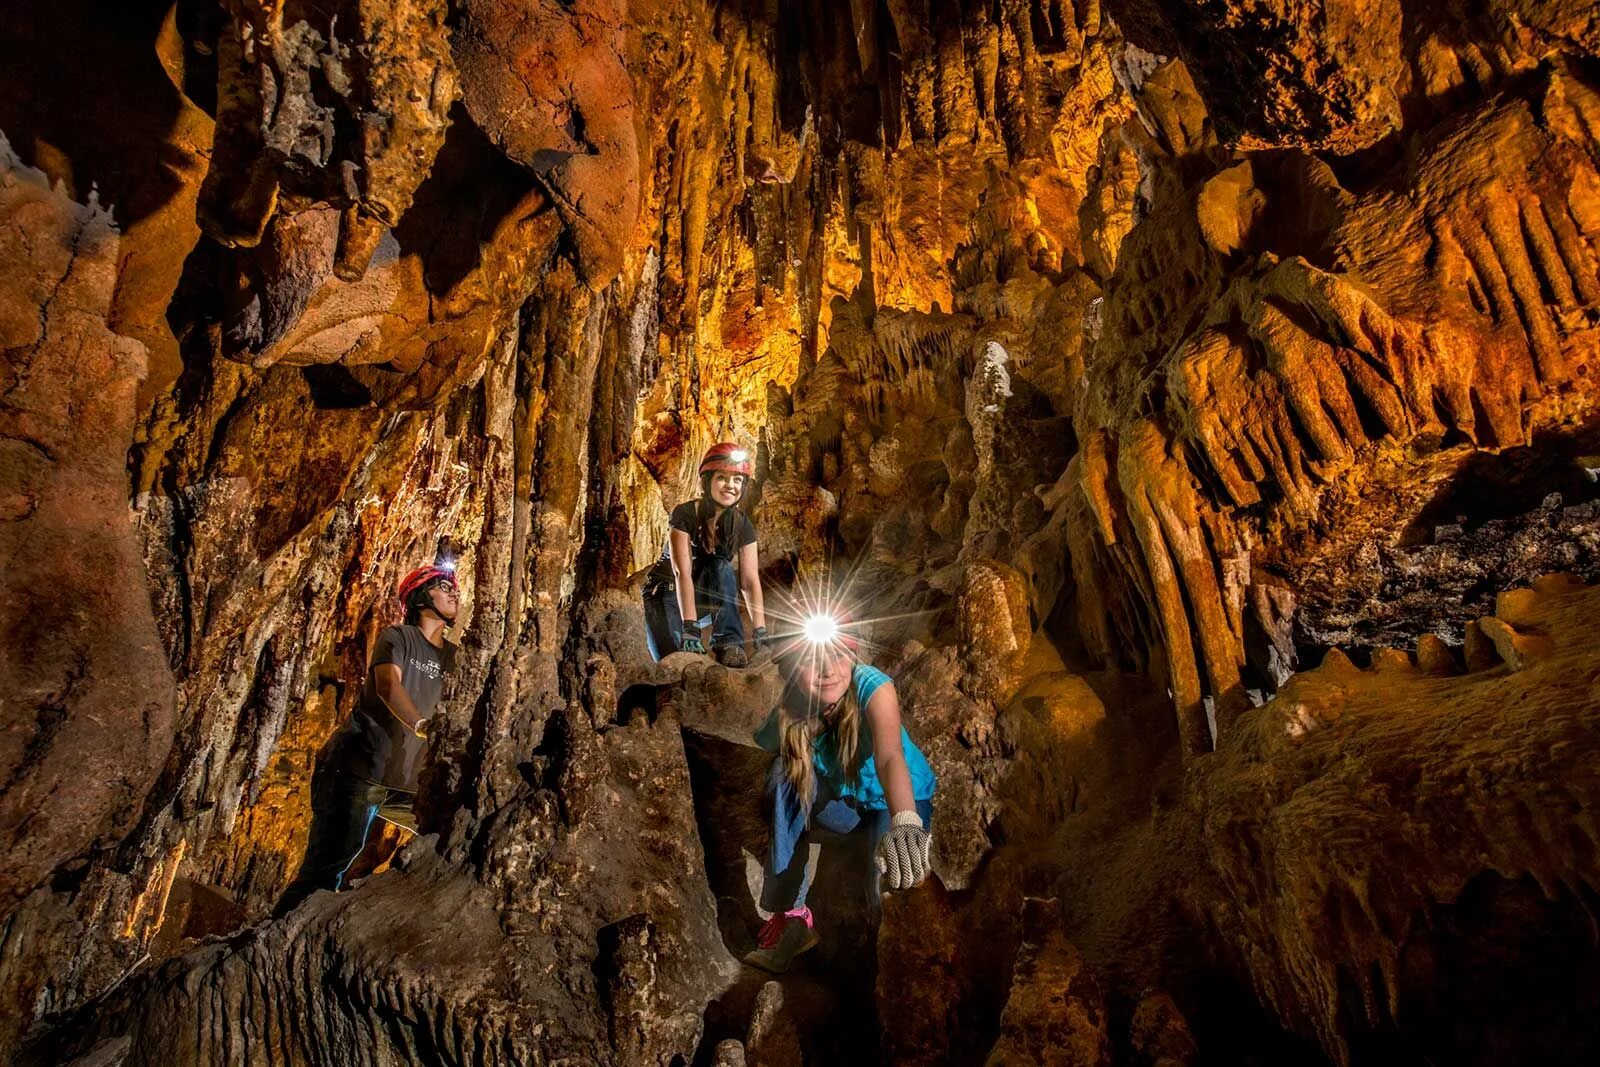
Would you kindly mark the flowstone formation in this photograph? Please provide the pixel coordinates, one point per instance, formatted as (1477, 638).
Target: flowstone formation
(1197, 401)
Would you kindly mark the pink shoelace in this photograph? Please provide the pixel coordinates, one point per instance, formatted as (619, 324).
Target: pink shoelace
(772, 930)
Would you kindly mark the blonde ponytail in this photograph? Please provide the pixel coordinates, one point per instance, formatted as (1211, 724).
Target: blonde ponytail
(795, 748)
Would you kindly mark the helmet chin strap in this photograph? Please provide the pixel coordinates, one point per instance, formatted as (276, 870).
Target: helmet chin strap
(426, 605)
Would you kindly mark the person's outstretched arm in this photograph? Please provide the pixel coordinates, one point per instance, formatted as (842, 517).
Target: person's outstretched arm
(683, 580)
(386, 683)
(905, 851)
(750, 584)
(883, 719)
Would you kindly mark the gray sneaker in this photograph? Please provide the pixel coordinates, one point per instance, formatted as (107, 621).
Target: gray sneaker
(732, 656)
(797, 937)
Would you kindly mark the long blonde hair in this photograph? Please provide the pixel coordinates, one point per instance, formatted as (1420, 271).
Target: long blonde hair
(799, 720)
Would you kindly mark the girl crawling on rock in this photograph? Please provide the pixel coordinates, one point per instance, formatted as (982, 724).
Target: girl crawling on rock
(843, 764)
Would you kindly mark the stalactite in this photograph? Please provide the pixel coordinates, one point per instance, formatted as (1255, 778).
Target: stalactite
(1122, 373)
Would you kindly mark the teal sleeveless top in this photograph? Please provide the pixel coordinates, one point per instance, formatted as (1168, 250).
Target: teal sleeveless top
(867, 792)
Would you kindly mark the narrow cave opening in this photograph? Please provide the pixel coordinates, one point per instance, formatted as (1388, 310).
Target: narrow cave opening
(334, 388)
(641, 697)
(828, 992)
(1557, 471)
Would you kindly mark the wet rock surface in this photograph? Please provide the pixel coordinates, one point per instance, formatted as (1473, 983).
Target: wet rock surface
(1196, 402)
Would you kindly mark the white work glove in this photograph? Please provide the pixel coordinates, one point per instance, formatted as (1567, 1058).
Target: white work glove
(904, 853)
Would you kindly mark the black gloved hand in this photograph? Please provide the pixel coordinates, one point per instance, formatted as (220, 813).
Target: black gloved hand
(761, 638)
(692, 643)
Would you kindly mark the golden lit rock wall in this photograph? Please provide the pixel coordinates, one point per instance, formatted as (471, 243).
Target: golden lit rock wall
(1110, 361)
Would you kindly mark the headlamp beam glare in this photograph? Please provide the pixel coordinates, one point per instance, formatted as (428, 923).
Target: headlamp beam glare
(821, 629)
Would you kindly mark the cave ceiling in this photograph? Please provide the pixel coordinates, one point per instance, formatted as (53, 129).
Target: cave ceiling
(1198, 400)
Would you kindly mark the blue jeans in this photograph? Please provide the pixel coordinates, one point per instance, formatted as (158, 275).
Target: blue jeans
(790, 866)
(716, 595)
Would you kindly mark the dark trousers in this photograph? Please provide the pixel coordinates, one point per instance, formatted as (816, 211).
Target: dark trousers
(796, 844)
(343, 809)
(716, 596)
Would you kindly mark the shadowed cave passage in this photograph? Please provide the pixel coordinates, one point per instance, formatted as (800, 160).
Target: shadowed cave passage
(1526, 957)
(828, 990)
(1202, 396)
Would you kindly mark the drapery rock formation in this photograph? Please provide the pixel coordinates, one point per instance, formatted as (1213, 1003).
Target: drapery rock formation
(88, 668)
(1195, 401)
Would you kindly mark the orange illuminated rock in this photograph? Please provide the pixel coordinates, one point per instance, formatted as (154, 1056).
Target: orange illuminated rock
(89, 691)
(1123, 359)
(1055, 1015)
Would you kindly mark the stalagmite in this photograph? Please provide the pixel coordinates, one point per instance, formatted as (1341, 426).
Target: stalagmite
(1193, 406)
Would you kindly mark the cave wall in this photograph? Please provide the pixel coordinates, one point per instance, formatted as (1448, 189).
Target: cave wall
(1132, 353)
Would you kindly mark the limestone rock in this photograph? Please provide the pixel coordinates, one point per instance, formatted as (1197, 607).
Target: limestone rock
(1515, 650)
(89, 691)
(774, 1039)
(1434, 656)
(1118, 358)
(345, 105)
(1480, 650)
(995, 629)
(1160, 1034)
(550, 88)
(1055, 1016)
(1407, 828)
(919, 986)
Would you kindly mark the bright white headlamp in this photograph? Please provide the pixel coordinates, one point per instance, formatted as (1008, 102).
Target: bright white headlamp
(821, 629)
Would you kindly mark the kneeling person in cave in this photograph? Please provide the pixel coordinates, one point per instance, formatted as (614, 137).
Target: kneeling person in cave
(369, 770)
(843, 763)
(710, 558)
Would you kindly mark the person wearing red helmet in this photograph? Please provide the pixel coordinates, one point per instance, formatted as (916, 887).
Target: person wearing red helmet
(369, 769)
(842, 763)
(709, 560)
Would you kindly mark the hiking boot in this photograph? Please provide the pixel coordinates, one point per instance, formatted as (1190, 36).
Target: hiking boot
(781, 939)
(732, 656)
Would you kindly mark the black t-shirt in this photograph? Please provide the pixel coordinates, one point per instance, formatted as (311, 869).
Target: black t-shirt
(375, 744)
(686, 517)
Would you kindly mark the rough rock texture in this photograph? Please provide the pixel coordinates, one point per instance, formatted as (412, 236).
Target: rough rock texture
(1291, 394)
(1055, 1016)
(1391, 781)
(88, 694)
(1160, 1034)
(1116, 362)
(538, 891)
(547, 84)
(343, 103)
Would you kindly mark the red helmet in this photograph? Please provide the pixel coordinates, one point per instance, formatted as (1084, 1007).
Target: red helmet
(419, 579)
(728, 457)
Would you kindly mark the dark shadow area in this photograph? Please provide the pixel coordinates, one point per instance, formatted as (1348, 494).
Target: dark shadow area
(640, 698)
(1232, 1029)
(1502, 485)
(470, 192)
(84, 98)
(829, 992)
(1505, 974)
(334, 387)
